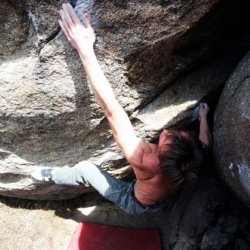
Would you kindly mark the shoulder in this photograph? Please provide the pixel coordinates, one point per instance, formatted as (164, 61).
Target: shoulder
(146, 157)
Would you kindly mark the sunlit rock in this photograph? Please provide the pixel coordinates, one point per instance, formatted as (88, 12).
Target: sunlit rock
(48, 114)
(232, 131)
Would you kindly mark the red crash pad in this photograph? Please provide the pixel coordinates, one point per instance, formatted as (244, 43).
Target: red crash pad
(91, 236)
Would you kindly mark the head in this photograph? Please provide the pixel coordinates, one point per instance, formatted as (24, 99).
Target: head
(180, 155)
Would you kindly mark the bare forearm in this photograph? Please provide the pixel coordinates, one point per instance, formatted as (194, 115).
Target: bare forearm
(117, 117)
(98, 82)
(205, 135)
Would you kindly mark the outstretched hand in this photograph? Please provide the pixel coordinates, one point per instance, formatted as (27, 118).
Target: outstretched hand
(80, 35)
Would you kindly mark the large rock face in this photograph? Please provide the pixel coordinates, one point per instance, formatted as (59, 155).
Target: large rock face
(232, 131)
(48, 115)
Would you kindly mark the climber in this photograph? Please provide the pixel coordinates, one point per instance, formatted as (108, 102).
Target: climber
(159, 169)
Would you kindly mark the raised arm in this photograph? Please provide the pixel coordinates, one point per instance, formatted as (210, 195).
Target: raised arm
(204, 135)
(82, 38)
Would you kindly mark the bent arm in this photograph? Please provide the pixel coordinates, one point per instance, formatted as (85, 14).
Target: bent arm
(82, 37)
(204, 135)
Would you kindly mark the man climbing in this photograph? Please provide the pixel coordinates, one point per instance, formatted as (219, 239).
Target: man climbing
(159, 169)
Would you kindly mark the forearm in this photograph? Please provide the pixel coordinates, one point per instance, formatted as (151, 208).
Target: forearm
(98, 82)
(118, 119)
(205, 135)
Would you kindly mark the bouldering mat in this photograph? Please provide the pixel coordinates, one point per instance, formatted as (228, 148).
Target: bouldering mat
(92, 236)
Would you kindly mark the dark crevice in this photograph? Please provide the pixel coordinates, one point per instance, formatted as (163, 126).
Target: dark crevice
(54, 33)
(51, 36)
(212, 99)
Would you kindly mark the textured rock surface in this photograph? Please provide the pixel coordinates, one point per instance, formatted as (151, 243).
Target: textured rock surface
(14, 26)
(49, 115)
(232, 131)
(207, 217)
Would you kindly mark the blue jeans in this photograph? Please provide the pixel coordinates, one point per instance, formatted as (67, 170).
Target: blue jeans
(119, 192)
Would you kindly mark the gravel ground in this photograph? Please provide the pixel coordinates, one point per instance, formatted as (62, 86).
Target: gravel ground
(51, 224)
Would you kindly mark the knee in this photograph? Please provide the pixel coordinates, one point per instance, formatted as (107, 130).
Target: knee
(83, 166)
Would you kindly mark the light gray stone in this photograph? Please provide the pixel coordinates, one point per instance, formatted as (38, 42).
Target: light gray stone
(232, 129)
(49, 116)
